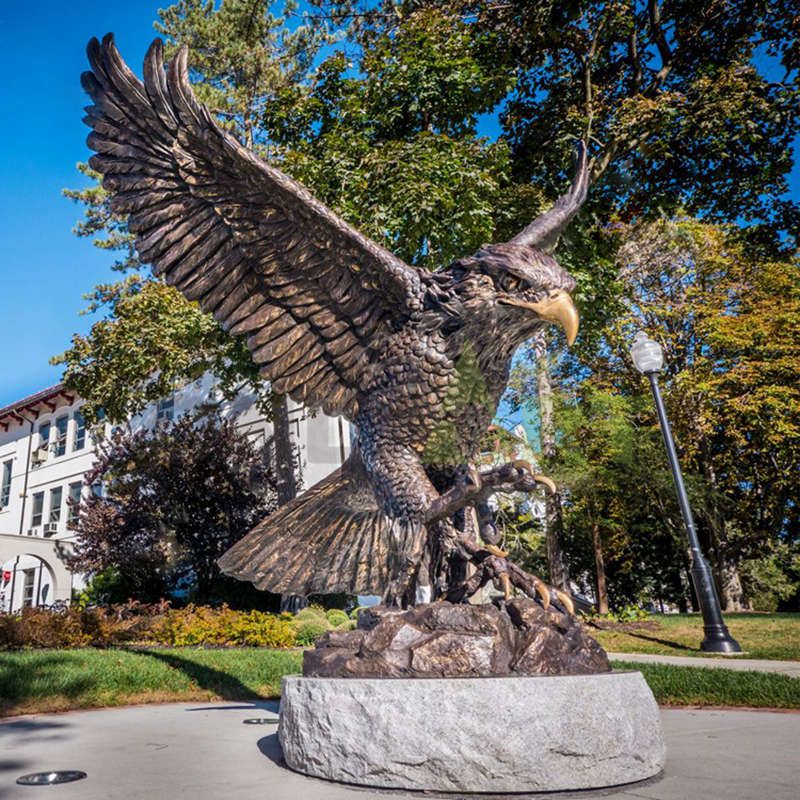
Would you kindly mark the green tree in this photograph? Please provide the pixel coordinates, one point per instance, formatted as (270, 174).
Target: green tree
(676, 97)
(614, 491)
(391, 142)
(729, 323)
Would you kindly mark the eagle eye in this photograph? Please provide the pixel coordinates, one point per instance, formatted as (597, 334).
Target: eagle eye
(511, 283)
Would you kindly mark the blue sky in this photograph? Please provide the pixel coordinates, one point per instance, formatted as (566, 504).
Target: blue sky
(44, 268)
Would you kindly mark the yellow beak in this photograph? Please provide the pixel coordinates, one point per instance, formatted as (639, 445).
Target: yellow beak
(556, 307)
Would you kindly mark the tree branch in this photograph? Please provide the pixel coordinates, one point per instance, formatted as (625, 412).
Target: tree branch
(664, 50)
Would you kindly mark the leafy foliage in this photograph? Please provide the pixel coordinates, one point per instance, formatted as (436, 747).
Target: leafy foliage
(728, 321)
(153, 339)
(174, 499)
(223, 627)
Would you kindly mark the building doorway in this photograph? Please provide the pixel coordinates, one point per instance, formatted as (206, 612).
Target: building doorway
(26, 581)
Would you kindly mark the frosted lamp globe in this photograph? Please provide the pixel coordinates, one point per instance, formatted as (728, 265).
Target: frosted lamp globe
(646, 354)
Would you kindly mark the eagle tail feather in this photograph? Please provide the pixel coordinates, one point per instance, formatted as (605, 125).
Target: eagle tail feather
(333, 538)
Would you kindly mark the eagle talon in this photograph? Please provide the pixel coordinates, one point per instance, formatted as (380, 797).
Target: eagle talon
(545, 481)
(495, 551)
(544, 593)
(472, 481)
(565, 601)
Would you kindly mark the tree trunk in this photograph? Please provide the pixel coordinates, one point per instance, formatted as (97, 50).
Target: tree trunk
(724, 566)
(284, 457)
(559, 575)
(731, 592)
(600, 567)
(723, 563)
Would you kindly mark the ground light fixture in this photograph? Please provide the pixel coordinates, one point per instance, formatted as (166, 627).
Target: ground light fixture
(648, 358)
(51, 778)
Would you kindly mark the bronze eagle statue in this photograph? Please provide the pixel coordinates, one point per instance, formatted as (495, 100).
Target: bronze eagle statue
(416, 360)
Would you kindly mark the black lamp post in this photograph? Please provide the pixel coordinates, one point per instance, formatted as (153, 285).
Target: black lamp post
(648, 359)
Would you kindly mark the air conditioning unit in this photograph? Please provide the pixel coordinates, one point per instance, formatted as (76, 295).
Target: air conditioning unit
(50, 528)
(39, 456)
(33, 531)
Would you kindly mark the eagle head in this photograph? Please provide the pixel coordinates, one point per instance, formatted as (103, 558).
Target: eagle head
(529, 287)
(526, 278)
(514, 289)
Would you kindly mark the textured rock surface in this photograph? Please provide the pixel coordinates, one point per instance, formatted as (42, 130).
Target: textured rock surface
(443, 640)
(473, 734)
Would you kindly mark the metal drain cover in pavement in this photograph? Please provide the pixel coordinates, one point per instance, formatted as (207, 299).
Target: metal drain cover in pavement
(49, 778)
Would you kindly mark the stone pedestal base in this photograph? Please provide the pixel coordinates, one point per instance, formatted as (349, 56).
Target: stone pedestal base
(515, 734)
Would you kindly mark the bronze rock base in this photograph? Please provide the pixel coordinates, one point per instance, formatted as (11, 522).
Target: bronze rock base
(444, 640)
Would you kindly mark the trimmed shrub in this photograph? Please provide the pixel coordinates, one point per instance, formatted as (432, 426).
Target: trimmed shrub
(310, 613)
(307, 632)
(337, 617)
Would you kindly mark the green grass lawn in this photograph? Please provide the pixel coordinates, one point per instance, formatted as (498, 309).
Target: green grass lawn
(56, 680)
(700, 686)
(772, 636)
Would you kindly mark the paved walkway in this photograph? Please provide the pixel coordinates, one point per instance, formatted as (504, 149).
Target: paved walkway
(229, 751)
(791, 668)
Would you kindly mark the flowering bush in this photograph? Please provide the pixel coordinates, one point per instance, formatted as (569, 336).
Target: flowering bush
(158, 624)
(74, 626)
(201, 625)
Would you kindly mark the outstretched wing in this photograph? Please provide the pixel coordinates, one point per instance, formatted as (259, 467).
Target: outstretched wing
(253, 246)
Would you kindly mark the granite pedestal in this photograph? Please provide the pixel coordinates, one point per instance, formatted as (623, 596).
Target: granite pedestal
(511, 734)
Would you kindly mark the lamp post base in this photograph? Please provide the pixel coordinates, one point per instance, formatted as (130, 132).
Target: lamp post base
(717, 637)
(719, 640)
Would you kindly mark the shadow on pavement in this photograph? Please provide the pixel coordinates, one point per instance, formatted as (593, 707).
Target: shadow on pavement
(17, 732)
(263, 705)
(28, 725)
(12, 768)
(270, 747)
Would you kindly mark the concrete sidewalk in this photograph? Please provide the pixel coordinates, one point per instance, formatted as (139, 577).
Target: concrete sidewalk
(791, 668)
(229, 751)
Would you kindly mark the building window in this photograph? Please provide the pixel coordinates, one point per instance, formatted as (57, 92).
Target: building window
(165, 409)
(60, 444)
(29, 581)
(56, 495)
(5, 484)
(37, 510)
(79, 440)
(74, 504)
(44, 435)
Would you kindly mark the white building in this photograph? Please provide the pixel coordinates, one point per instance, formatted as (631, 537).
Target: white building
(45, 449)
